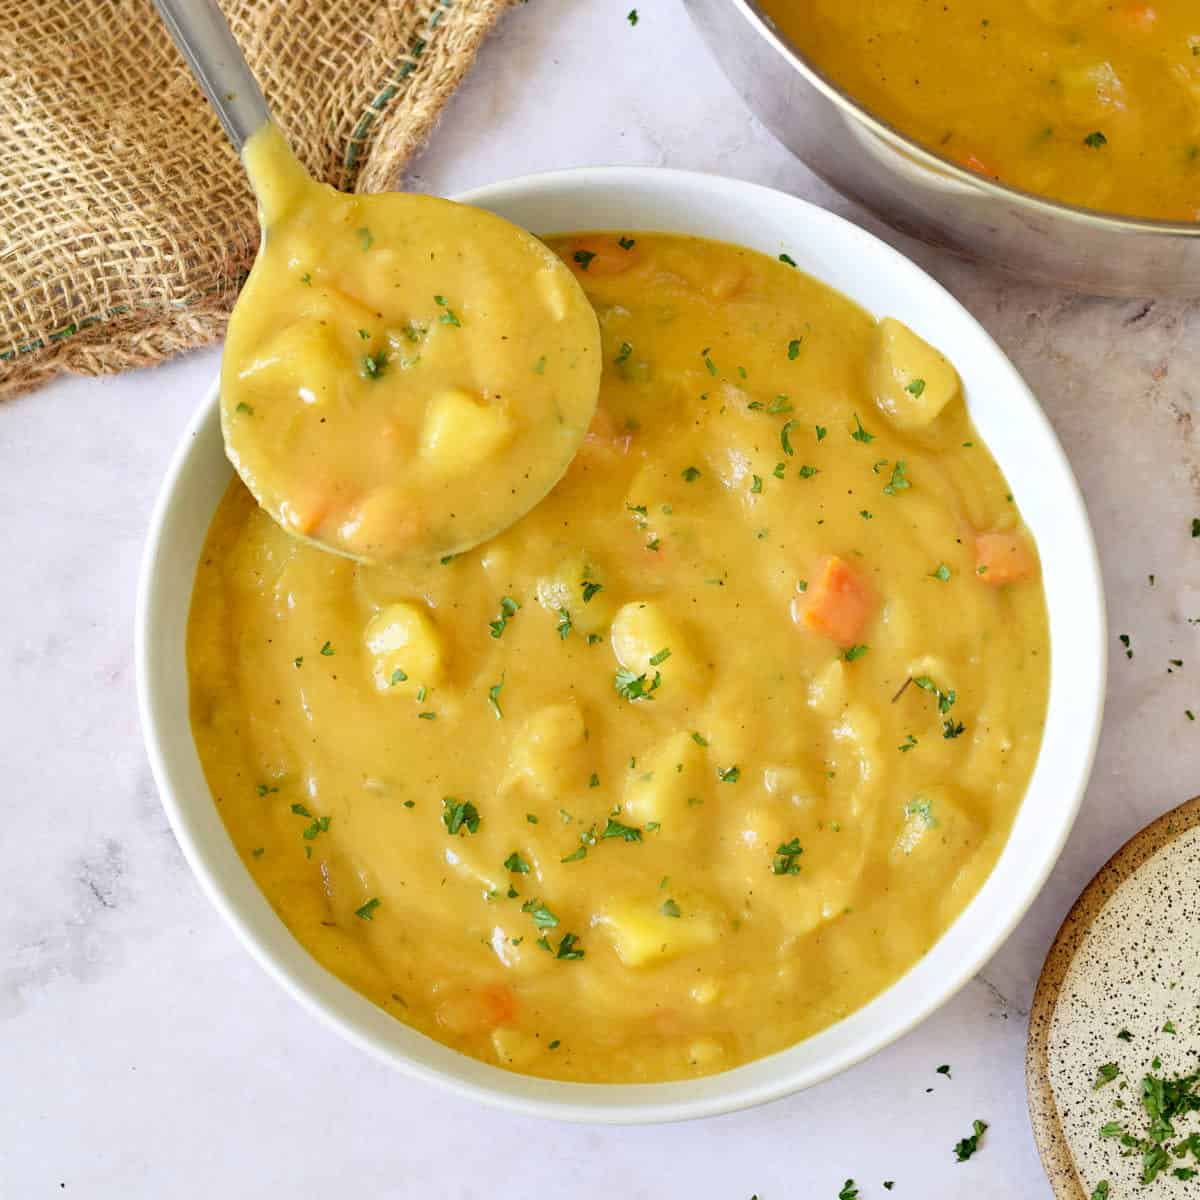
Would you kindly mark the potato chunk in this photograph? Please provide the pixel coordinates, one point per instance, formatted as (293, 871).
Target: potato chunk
(671, 780)
(405, 647)
(576, 586)
(546, 755)
(911, 381)
(641, 632)
(303, 361)
(646, 932)
(936, 836)
(460, 433)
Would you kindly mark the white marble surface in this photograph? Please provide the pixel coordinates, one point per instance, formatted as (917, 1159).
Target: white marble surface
(143, 1054)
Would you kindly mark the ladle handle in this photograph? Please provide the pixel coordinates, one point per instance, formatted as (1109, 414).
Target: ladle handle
(199, 29)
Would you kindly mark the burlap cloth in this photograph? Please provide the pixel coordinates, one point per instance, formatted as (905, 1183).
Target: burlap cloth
(126, 224)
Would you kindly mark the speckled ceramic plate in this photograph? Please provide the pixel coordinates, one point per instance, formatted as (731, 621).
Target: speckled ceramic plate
(1124, 962)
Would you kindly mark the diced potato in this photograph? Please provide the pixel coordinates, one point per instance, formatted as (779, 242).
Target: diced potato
(936, 830)
(551, 289)
(827, 691)
(304, 361)
(911, 381)
(406, 649)
(460, 433)
(705, 1053)
(547, 754)
(574, 578)
(515, 1047)
(643, 934)
(641, 631)
(792, 785)
(670, 780)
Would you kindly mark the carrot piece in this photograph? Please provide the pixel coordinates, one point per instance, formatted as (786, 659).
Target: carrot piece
(598, 255)
(980, 166)
(1002, 558)
(838, 603)
(475, 1011)
(1138, 18)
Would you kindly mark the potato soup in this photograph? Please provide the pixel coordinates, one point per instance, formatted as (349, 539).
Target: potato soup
(1095, 102)
(697, 757)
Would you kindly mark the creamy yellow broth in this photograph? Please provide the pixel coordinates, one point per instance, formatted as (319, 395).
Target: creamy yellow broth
(1096, 102)
(696, 758)
(403, 376)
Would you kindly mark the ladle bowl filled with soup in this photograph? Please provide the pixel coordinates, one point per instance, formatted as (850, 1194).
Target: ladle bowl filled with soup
(1059, 139)
(722, 766)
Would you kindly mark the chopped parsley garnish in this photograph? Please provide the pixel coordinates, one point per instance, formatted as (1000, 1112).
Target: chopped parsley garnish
(807, 472)
(915, 387)
(1124, 640)
(951, 729)
(554, 1045)
(539, 367)
(942, 573)
(699, 738)
(794, 348)
(364, 334)
(821, 432)
(590, 589)
(785, 439)
(514, 862)
(944, 1069)
(855, 653)
(657, 660)
(785, 860)
(306, 279)
(372, 366)
(365, 237)
(298, 661)
(709, 365)
(898, 483)
(327, 649)
(859, 434)
(1124, 1036)
(243, 407)
(568, 947)
(398, 676)
(494, 698)
(583, 258)
(670, 909)
(626, 243)
(508, 610)
(449, 317)
(1196, 527)
(1095, 140)
(632, 17)
(458, 815)
(593, 780)
(945, 700)
(543, 918)
(264, 789)
(1106, 1074)
(788, 259)
(615, 829)
(729, 774)
(1100, 1191)
(779, 470)
(300, 810)
(564, 624)
(367, 911)
(849, 1191)
(964, 1149)
(633, 687)
(756, 485)
(690, 474)
(908, 743)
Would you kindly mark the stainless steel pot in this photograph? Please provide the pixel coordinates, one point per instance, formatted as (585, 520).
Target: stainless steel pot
(919, 193)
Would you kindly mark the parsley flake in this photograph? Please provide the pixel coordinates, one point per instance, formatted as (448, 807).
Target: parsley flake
(965, 1148)
(367, 911)
(458, 815)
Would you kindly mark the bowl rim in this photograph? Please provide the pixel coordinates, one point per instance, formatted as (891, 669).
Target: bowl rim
(653, 1102)
(756, 15)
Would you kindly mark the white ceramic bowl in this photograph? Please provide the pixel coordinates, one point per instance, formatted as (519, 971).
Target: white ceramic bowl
(1009, 419)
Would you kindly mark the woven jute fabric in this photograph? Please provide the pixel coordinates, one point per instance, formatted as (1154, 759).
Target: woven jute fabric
(126, 223)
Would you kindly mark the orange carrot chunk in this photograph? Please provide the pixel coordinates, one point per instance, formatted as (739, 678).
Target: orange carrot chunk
(599, 255)
(1002, 558)
(478, 1010)
(838, 603)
